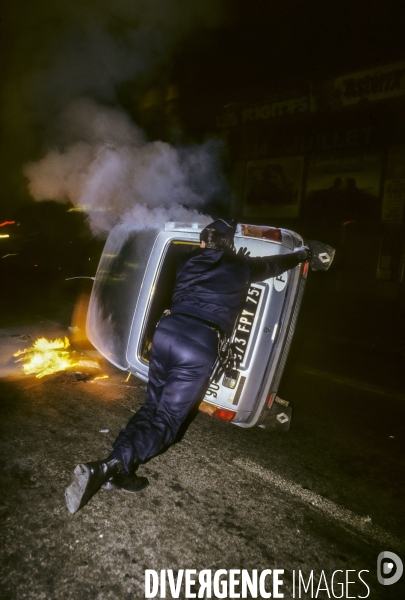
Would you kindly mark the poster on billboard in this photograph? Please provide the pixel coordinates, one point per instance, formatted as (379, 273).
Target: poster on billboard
(394, 187)
(343, 185)
(273, 187)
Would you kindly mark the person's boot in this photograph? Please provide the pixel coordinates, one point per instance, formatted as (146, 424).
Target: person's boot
(88, 479)
(126, 483)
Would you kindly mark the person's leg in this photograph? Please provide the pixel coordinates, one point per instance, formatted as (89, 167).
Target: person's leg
(183, 354)
(180, 366)
(88, 478)
(124, 448)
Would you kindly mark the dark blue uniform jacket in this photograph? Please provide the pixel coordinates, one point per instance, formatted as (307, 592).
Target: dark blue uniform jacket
(213, 284)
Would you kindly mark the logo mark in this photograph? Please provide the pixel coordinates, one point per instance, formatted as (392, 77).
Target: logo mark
(386, 573)
(324, 257)
(280, 282)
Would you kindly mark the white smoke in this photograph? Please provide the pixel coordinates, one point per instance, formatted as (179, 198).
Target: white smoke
(108, 169)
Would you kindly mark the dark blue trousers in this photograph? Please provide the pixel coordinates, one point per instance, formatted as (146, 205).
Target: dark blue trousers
(183, 352)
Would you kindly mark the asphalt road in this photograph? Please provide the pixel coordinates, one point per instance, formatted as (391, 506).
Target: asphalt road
(326, 497)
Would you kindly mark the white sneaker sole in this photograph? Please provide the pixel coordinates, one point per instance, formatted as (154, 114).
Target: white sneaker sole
(75, 492)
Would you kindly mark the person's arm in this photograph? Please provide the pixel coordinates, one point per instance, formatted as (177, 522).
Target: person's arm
(263, 267)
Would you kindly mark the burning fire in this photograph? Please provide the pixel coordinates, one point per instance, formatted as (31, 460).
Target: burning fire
(46, 357)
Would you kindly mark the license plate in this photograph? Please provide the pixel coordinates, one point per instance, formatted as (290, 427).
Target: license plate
(246, 321)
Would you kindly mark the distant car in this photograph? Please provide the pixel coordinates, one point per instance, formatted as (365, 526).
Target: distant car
(133, 286)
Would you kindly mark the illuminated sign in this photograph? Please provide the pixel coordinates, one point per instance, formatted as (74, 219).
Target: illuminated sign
(379, 83)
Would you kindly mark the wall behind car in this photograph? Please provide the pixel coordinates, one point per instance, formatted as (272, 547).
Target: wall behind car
(327, 158)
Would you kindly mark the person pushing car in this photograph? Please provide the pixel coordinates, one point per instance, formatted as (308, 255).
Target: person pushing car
(209, 292)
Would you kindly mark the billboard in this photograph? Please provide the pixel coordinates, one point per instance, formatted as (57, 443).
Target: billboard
(380, 83)
(343, 185)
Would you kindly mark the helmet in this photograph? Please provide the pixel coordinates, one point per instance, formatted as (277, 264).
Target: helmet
(219, 234)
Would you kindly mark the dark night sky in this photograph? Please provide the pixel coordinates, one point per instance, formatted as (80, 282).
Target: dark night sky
(217, 52)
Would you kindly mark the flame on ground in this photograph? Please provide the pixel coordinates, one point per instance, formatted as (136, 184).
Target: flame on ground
(47, 356)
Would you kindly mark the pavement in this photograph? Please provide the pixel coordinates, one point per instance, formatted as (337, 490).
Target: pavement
(380, 370)
(223, 498)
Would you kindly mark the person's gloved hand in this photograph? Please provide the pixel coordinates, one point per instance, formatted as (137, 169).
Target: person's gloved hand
(304, 254)
(243, 252)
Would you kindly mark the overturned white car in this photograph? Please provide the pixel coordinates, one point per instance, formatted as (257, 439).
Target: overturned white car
(133, 286)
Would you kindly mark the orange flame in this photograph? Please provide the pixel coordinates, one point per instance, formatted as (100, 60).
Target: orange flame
(46, 357)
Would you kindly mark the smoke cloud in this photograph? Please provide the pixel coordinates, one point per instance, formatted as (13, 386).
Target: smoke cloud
(66, 95)
(115, 175)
